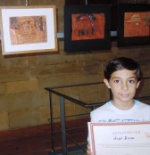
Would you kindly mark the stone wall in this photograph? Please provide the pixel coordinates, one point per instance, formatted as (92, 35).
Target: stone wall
(23, 100)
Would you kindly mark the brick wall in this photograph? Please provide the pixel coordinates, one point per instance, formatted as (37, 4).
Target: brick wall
(23, 100)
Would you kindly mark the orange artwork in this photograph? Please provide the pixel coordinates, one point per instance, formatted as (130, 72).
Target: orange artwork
(137, 24)
(88, 26)
(28, 29)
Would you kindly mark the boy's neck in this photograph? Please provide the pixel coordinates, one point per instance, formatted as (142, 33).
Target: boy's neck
(124, 105)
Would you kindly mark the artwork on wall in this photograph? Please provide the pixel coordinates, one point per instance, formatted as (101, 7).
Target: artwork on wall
(86, 28)
(133, 24)
(113, 4)
(28, 29)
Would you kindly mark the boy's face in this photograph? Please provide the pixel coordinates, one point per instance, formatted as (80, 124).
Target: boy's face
(123, 84)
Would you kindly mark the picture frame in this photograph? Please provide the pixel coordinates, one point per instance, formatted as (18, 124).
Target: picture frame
(113, 4)
(28, 29)
(133, 25)
(87, 28)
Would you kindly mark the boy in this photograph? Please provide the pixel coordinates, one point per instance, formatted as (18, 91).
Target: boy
(122, 77)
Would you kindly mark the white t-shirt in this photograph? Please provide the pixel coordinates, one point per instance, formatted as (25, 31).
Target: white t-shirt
(109, 113)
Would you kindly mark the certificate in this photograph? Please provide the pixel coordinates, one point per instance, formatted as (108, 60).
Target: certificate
(119, 138)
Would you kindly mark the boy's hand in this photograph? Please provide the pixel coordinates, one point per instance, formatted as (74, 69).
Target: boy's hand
(88, 150)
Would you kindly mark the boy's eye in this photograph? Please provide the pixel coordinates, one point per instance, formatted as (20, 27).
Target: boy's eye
(132, 81)
(116, 81)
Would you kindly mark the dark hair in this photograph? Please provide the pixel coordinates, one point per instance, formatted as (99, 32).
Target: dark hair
(122, 63)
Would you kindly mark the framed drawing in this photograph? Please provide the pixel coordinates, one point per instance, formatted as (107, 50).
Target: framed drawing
(133, 24)
(113, 4)
(87, 27)
(28, 29)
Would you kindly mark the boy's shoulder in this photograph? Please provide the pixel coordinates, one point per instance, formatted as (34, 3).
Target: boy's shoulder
(142, 104)
(107, 107)
(102, 108)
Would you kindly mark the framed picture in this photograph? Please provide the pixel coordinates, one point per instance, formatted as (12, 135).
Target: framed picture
(113, 4)
(133, 24)
(28, 29)
(87, 27)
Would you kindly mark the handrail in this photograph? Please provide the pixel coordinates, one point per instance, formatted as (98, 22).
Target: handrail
(67, 97)
(74, 85)
(83, 104)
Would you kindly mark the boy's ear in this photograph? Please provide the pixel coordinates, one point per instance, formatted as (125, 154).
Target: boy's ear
(138, 84)
(106, 83)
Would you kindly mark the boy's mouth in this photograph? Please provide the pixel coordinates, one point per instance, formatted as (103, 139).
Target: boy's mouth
(125, 95)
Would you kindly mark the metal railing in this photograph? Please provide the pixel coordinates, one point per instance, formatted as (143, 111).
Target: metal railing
(62, 98)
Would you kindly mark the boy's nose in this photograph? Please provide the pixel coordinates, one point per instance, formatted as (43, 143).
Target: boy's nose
(125, 86)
